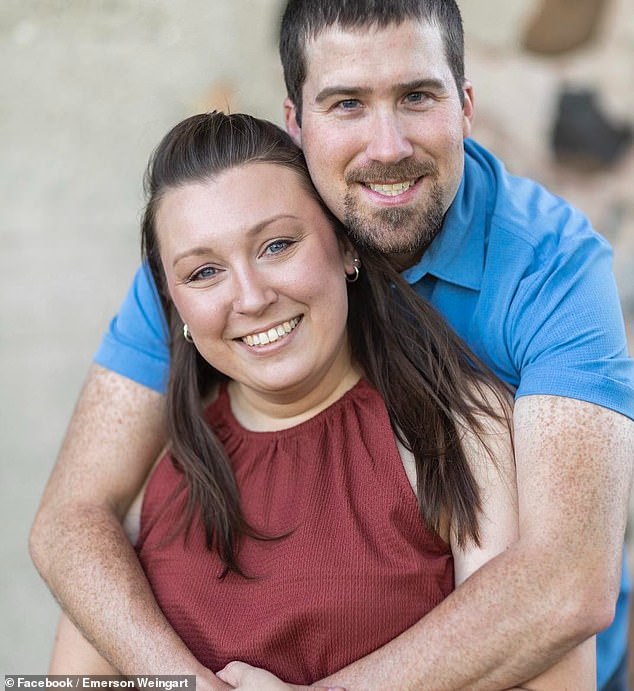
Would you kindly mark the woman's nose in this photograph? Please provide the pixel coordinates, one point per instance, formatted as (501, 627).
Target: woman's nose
(253, 291)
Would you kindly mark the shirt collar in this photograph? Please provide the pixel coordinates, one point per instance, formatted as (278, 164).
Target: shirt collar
(457, 253)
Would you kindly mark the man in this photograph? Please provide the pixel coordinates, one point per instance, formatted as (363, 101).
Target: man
(378, 101)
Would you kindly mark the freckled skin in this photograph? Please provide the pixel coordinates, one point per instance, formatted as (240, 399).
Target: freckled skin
(585, 482)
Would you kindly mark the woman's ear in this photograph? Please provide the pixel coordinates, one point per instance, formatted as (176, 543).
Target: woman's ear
(350, 256)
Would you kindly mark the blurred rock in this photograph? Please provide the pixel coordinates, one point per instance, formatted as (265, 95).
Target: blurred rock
(583, 136)
(560, 26)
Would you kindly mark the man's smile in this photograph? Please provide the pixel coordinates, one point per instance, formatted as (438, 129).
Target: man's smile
(391, 189)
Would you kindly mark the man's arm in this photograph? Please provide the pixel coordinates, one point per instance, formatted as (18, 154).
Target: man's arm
(73, 654)
(551, 590)
(78, 544)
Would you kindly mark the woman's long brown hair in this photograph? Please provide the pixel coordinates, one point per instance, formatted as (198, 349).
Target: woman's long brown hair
(431, 383)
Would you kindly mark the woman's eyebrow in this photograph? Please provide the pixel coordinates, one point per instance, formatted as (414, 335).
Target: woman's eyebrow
(201, 250)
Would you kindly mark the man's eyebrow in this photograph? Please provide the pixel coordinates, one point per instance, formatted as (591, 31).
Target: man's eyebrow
(359, 91)
(346, 91)
(201, 250)
(421, 84)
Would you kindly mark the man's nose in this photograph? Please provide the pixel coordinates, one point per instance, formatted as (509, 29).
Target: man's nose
(387, 140)
(253, 292)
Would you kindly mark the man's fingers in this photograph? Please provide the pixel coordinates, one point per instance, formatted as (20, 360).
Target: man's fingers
(233, 672)
(238, 673)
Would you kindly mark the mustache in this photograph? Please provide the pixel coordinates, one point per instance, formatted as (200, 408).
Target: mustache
(376, 173)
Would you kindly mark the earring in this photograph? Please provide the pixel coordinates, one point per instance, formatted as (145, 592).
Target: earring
(356, 263)
(186, 335)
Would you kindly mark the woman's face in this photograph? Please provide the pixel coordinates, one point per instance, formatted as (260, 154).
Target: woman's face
(256, 271)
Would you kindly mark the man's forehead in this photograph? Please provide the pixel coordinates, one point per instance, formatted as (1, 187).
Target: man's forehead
(343, 50)
(415, 32)
(337, 30)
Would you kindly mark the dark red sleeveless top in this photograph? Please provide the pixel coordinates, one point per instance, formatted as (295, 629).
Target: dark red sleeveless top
(357, 568)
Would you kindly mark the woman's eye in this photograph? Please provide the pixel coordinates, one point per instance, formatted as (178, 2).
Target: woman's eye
(203, 274)
(277, 246)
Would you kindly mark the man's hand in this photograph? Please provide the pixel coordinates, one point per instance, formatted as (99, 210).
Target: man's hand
(240, 675)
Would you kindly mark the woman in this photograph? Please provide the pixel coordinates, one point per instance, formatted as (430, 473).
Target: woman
(311, 392)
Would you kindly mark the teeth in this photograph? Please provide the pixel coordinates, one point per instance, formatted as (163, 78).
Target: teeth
(273, 334)
(391, 190)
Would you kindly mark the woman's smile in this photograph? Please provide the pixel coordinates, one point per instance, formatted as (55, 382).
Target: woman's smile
(272, 334)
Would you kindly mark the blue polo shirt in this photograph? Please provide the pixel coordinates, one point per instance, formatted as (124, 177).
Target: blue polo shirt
(519, 274)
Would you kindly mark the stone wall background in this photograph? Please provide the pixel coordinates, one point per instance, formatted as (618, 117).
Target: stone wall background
(87, 89)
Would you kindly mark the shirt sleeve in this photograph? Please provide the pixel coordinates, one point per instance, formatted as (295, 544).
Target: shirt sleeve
(566, 330)
(135, 344)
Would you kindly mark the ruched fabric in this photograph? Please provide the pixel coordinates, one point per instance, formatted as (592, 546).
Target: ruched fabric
(356, 566)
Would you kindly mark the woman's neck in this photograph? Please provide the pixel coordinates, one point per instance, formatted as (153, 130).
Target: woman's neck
(263, 412)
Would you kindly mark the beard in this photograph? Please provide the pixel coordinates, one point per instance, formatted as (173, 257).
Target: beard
(397, 230)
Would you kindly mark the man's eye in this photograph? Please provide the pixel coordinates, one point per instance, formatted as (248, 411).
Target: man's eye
(203, 274)
(416, 97)
(348, 104)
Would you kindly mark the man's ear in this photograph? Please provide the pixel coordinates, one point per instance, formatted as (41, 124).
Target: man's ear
(468, 108)
(290, 119)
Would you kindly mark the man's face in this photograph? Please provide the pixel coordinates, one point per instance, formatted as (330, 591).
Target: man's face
(382, 131)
